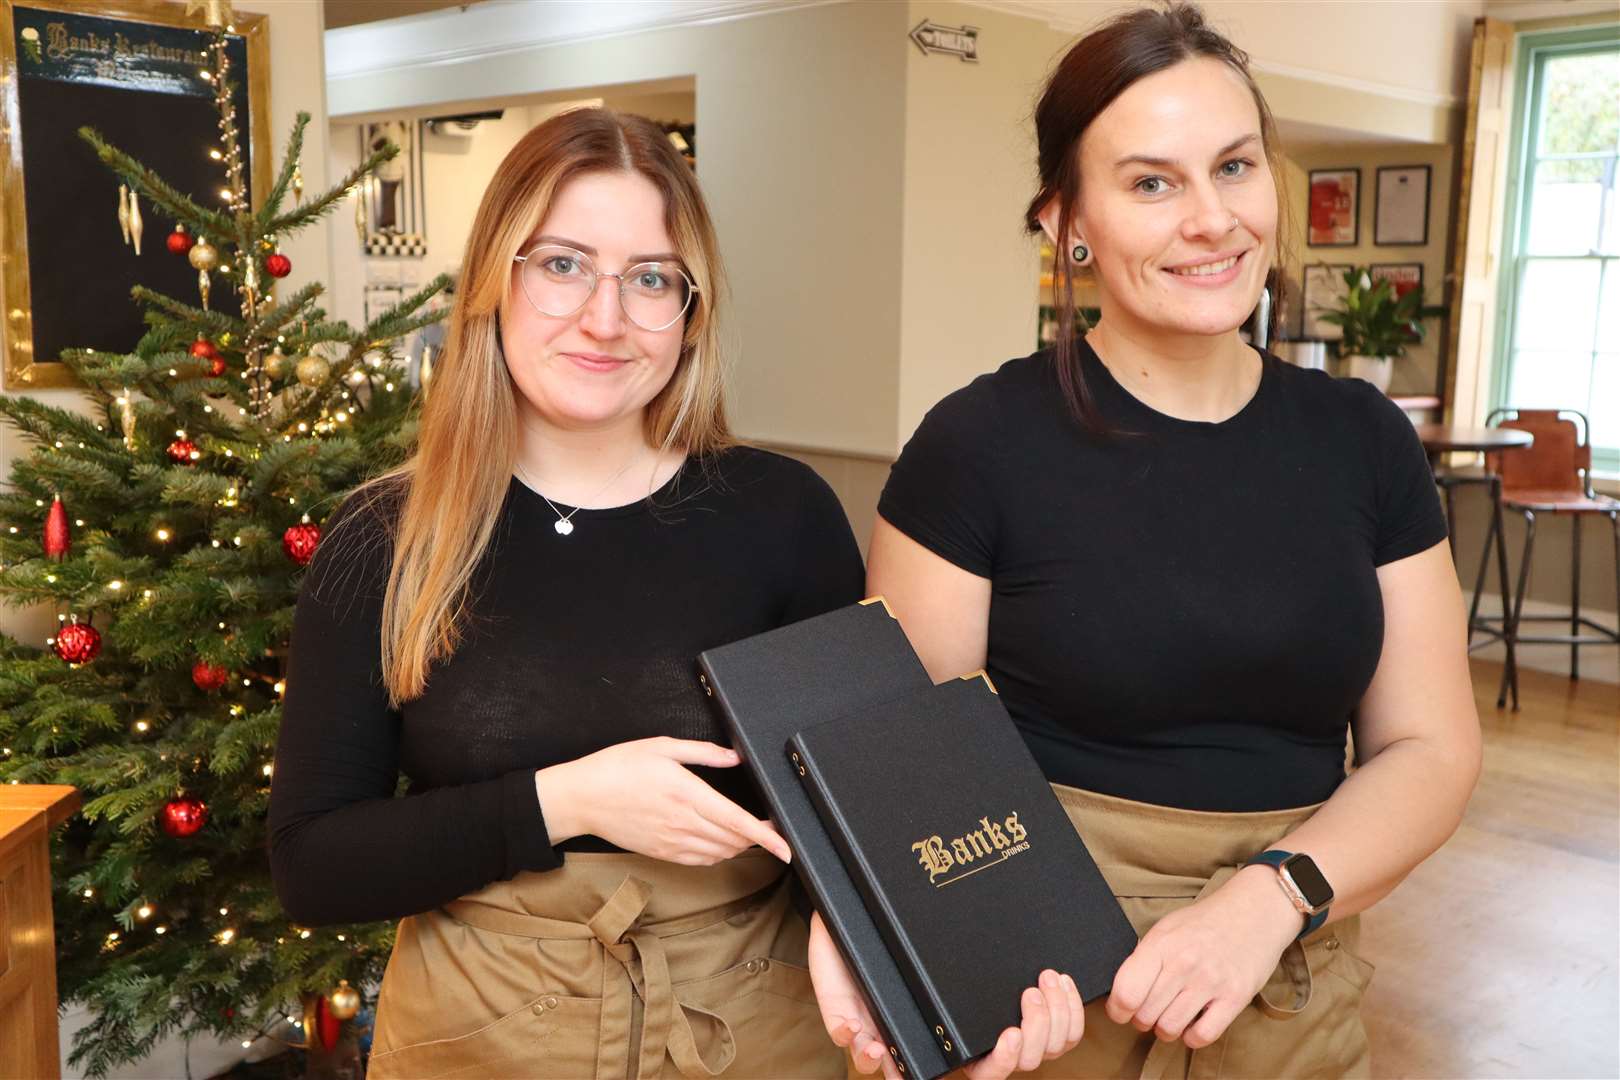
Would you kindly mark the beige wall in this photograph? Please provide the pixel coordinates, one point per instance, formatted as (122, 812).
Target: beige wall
(297, 82)
(966, 296)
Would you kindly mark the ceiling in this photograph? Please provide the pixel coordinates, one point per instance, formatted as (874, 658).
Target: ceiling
(349, 12)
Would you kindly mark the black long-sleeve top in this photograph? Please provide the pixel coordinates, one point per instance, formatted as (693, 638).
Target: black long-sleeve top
(574, 643)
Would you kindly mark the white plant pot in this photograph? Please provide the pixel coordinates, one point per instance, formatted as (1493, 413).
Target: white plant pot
(1375, 369)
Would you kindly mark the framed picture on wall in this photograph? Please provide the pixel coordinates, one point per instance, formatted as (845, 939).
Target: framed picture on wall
(1324, 291)
(1404, 276)
(392, 217)
(1401, 214)
(1334, 212)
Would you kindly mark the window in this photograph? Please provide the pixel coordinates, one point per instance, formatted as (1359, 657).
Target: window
(1559, 346)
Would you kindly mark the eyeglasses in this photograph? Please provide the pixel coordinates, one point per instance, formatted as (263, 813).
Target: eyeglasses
(559, 281)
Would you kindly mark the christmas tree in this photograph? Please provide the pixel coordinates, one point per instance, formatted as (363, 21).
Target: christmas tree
(169, 532)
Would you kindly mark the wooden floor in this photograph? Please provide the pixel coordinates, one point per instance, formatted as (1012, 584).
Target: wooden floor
(1500, 956)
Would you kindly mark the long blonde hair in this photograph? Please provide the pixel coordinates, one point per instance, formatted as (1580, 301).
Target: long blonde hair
(456, 481)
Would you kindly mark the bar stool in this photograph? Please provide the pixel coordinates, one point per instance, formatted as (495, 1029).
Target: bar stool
(1439, 440)
(1553, 475)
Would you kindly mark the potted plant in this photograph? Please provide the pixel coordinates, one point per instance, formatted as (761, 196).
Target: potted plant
(1379, 322)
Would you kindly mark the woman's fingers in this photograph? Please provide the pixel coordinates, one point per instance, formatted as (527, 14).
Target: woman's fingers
(727, 816)
(1002, 1059)
(1164, 991)
(1131, 985)
(1057, 1013)
(700, 851)
(1178, 1014)
(1037, 1022)
(693, 751)
(1217, 1017)
(1077, 1012)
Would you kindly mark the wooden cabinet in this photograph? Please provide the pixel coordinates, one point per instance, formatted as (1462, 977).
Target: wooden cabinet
(28, 1031)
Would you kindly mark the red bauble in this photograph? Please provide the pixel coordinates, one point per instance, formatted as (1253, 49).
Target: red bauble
(203, 349)
(78, 643)
(216, 367)
(183, 452)
(299, 542)
(209, 677)
(58, 537)
(278, 265)
(179, 241)
(183, 817)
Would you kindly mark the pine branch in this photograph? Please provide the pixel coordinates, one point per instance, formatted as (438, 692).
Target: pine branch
(278, 191)
(215, 323)
(319, 207)
(158, 191)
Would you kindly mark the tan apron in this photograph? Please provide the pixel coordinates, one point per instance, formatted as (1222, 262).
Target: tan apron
(612, 966)
(1305, 1022)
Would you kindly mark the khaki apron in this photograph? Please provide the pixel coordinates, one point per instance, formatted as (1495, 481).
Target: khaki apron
(1305, 1022)
(612, 966)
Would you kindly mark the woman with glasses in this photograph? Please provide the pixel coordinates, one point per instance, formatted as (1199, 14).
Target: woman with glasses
(1191, 570)
(509, 621)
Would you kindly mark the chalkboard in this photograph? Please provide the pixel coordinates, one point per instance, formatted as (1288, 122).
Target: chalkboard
(130, 70)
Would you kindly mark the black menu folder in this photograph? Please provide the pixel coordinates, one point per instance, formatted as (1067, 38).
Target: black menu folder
(966, 860)
(770, 686)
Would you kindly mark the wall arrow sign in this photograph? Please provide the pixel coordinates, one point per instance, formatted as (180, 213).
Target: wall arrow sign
(959, 41)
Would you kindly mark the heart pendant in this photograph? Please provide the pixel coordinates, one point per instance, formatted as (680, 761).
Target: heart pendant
(563, 526)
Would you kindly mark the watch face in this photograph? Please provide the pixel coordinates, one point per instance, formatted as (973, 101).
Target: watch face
(1309, 880)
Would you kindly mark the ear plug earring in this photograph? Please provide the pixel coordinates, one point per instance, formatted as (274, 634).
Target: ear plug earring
(1081, 253)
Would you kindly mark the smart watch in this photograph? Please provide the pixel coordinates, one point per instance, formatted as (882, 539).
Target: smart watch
(1302, 883)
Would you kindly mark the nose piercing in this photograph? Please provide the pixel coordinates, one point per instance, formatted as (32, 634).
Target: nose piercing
(1234, 222)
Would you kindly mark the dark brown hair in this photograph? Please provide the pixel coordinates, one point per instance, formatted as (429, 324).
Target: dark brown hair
(1095, 71)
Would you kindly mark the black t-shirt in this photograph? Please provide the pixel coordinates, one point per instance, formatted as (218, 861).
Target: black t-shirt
(1187, 615)
(574, 643)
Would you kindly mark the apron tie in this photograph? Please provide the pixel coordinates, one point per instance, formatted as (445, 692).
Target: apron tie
(643, 971)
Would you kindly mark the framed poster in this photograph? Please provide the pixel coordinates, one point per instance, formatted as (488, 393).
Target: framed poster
(1324, 291)
(1404, 276)
(1401, 213)
(392, 200)
(131, 70)
(1334, 213)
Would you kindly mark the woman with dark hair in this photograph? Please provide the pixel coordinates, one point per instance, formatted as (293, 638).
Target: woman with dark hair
(1191, 570)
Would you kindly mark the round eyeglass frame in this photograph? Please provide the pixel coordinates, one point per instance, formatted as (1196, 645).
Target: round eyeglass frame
(596, 276)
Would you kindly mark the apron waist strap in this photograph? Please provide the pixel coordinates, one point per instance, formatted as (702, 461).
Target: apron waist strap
(640, 969)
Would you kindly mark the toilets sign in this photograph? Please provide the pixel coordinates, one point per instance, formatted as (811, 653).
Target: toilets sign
(959, 41)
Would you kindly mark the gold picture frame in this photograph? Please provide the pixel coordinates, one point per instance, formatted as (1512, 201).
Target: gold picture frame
(21, 370)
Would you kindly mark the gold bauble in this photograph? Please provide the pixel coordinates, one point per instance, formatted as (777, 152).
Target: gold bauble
(312, 370)
(275, 365)
(344, 1002)
(203, 255)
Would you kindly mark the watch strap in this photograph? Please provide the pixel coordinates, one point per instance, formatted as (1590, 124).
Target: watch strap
(1275, 860)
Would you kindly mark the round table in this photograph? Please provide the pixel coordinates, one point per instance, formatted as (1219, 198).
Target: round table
(1441, 439)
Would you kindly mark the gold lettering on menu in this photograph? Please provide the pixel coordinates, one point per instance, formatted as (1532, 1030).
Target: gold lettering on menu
(992, 840)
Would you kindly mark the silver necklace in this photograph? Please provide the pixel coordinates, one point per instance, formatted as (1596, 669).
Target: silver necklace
(563, 524)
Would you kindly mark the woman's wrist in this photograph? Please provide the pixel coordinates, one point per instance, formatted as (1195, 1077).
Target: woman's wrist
(558, 805)
(1261, 888)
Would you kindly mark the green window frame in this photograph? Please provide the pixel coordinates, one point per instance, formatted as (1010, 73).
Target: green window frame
(1535, 50)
